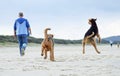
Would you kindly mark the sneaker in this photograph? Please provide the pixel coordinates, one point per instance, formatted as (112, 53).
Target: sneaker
(23, 49)
(24, 45)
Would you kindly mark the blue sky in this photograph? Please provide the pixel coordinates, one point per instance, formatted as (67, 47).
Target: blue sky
(68, 19)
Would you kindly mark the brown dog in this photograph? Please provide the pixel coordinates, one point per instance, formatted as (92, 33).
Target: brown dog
(48, 45)
(90, 35)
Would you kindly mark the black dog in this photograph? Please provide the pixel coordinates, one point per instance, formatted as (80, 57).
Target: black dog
(90, 35)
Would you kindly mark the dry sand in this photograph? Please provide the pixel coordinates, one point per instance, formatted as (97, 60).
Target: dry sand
(69, 61)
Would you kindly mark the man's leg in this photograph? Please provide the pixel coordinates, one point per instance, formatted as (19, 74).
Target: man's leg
(20, 43)
(24, 43)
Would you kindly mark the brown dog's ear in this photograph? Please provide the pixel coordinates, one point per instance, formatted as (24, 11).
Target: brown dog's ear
(52, 35)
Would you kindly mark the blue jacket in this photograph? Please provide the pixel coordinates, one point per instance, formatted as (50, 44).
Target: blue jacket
(21, 26)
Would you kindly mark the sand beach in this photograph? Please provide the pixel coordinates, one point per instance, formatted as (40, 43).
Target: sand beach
(69, 61)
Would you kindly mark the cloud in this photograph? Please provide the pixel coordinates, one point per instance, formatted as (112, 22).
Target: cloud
(66, 18)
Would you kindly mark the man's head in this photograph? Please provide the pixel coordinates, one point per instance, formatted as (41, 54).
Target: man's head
(20, 14)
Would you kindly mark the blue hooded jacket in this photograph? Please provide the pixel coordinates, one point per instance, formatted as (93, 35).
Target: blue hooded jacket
(21, 26)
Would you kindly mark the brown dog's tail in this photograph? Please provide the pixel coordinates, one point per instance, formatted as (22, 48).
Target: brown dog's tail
(45, 32)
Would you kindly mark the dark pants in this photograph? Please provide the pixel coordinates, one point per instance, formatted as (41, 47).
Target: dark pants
(22, 39)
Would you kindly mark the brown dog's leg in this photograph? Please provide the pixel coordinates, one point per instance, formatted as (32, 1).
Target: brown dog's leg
(52, 54)
(45, 54)
(42, 51)
(83, 43)
(94, 45)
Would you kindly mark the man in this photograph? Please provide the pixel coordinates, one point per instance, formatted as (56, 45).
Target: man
(21, 31)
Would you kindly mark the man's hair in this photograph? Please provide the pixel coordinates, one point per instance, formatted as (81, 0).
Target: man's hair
(21, 14)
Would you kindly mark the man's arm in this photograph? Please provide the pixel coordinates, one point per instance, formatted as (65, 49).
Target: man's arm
(15, 30)
(29, 29)
(14, 34)
(28, 26)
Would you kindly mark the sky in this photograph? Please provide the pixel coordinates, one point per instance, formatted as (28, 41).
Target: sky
(68, 19)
